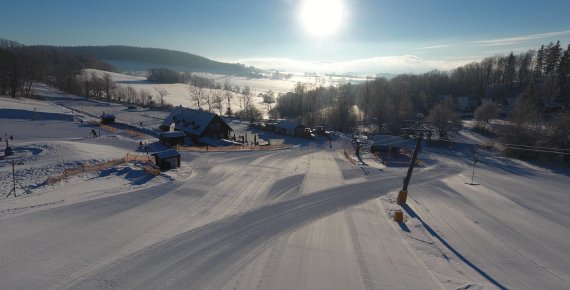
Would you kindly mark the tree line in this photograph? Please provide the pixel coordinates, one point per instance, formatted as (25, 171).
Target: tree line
(531, 88)
(20, 66)
(165, 58)
(168, 76)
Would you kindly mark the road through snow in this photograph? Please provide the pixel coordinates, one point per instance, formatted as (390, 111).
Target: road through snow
(206, 257)
(202, 232)
(299, 219)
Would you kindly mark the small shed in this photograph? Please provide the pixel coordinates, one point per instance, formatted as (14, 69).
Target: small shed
(169, 159)
(172, 138)
(107, 119)
(289, 128)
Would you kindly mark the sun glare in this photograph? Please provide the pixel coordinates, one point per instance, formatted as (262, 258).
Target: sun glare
(322, 18)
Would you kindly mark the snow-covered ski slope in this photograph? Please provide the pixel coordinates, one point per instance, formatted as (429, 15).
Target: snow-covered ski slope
(295, 219)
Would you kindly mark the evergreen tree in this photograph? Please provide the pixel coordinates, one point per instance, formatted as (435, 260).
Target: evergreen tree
(539, 63)
(564, 74)
(509, 73)
(553, 53)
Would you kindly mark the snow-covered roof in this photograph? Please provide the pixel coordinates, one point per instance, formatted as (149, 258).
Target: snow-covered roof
(286, 124)
(166, 154)
(390, 140)
(191, 121)
(173, 134)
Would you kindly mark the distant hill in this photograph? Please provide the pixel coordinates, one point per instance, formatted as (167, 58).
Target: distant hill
(128, 58)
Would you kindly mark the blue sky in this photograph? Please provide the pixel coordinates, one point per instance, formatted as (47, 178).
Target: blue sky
(374, 36)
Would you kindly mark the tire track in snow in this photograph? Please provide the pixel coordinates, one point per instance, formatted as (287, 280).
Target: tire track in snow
(207, 257)
(365, 276)
(272, 263)
(196, 259)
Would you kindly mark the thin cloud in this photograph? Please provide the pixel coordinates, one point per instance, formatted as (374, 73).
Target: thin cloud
(383, 64)
(518, 39)
(437, 46)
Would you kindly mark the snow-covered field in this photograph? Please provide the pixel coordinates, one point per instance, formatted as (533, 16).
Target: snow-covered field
(178, 94)
(303, 218)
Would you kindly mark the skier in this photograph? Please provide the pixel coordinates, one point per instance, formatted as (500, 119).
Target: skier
(93, 133)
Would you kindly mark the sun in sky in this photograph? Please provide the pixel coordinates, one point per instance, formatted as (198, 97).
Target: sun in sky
(322, 18)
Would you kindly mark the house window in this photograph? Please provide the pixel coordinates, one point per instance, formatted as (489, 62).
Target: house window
(215, 126)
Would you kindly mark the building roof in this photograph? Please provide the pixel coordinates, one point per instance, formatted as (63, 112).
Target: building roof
(166, 154)
(191, 121)
(390, 141)
(173, 134)
(286, 124)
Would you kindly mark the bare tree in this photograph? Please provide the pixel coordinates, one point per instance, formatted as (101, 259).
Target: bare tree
(252, 113)
(343, 117)
(143, 96)
(485, 113)
(550, 89)
(524, 127)
(268, 99)
(367, 97)
(245, 93)
(85, 83)
(560, 134)
(310, 105)
(10, 72)
(300, 91)
(98, 85)
(131, 95)
(108, 86)
(217, 100)
(229, 95)
(161, 94)
(196, 95)
(443, 119)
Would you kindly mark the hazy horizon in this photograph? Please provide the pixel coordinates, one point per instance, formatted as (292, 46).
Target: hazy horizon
(338, 36)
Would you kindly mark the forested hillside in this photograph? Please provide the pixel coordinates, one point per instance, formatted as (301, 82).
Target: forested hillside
(156, 58)
(531, 91)
(21, 65)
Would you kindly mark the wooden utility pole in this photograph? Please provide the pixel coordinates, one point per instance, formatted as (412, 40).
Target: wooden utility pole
(13, 180)
(418, 128)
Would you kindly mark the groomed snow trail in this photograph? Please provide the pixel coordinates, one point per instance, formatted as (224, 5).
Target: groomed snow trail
(204, 232)
(296, 219)
(208, 256)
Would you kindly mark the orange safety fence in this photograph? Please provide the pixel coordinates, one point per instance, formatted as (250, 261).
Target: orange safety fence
(235, 148)
(84, 169)
(149, 167)
(349, 158)
(135, 133)
(138, 157)
(108, 128)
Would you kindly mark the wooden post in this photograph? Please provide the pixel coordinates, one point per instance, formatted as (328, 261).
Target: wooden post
(398, 216)
(402, 197)
(403, 194)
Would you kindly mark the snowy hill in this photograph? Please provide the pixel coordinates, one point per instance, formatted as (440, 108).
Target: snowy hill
(126, 58)
(303, 218)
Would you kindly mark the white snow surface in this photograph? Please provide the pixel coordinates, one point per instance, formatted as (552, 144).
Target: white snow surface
(178, 94)
(303, 218)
